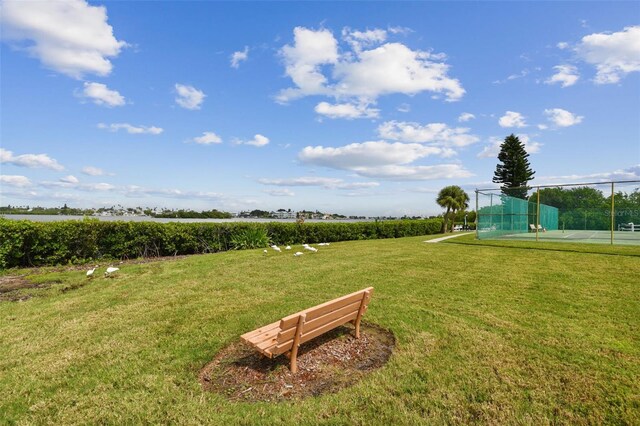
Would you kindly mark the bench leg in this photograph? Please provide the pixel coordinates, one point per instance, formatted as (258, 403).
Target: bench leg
(296, 344)
(365, 296)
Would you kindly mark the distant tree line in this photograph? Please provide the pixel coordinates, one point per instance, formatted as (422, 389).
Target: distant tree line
(65, 210)
(191, 214)
(116, 211)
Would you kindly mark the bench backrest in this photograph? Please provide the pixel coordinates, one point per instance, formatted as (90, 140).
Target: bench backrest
(321, 318)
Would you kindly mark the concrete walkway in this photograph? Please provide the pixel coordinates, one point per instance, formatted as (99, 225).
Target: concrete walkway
(437, 240)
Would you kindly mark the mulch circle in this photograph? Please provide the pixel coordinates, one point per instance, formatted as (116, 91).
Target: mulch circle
(326, 364)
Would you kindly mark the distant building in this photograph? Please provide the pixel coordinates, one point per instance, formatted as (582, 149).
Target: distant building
(283, 214)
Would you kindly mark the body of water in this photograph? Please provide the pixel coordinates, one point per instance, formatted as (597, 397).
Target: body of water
(54, 218)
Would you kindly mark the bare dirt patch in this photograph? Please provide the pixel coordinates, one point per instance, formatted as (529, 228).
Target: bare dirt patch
(12, 288)
(18, 288)
(326, 364)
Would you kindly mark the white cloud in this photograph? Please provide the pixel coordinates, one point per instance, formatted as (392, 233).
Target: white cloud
(100, 94)
(189, 97)
(566, 75)
(72, 192)
(400, 30)
(258, 141)
(327, 183)
(135, 191)
(57, 184)
(466, 116)
(207, 138)
(70, 179)
(360, 73)
(613, 54)
(404, 108)
(302, 181)
(15, 180)
(71, 37)
(134, 130)
(98, 187)
(531, 146)
(525, 72)
(562, 118)
(33, 195)
(367, 154)
(492, 149)
(71, 182)
(432, 133)
(310, 50)
(93, 171)
(32, 161)
(348, 111)
(563, 45)
(406, 173)
(284, 192)
(239, 56)
(394, 68)
(512, 119)
(521, 74)
(357, 185)
(363, 39)
(629, 173)
(5, 156)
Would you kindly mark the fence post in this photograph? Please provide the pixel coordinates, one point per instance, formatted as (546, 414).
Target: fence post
(477, 214)
(538, 214)
(613, 211)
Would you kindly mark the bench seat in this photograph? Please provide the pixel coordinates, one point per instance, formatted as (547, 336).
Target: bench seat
(286, 336)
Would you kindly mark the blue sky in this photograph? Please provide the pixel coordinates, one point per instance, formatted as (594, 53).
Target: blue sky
(350, 107)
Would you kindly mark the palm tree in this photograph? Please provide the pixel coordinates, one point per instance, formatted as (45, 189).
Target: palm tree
(453, 198)
(463, 202)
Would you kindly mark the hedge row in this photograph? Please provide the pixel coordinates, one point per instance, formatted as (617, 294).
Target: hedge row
(26, 243)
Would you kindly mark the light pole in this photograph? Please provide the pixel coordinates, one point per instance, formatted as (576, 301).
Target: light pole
(465, 221)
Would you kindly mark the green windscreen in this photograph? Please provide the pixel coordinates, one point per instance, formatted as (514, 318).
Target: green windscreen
(500, 215)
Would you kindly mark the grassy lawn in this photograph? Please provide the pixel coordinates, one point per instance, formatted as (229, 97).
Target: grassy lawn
(486, 333)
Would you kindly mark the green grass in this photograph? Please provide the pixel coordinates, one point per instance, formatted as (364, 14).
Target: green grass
(486, 334)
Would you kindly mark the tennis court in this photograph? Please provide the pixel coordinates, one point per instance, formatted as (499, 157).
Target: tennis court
(578, 213)
(577, 236)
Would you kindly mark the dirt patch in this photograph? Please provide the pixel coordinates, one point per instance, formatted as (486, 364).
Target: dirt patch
(326, 364)
(17, 288)
(11, 288)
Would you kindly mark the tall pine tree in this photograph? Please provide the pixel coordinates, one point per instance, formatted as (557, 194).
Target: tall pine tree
(514, 170)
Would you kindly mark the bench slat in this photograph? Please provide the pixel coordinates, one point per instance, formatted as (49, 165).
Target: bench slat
(266, 352)
(284, 347)
(267, 345)
(248, 336)
(270, 336)
(292, 320)
(309, 326)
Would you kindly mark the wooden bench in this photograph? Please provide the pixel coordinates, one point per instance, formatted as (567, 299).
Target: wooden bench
(286, 336)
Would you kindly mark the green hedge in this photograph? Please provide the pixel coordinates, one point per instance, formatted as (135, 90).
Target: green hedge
(26, 243)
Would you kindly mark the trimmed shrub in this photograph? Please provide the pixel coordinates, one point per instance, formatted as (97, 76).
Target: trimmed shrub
(26, 243)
